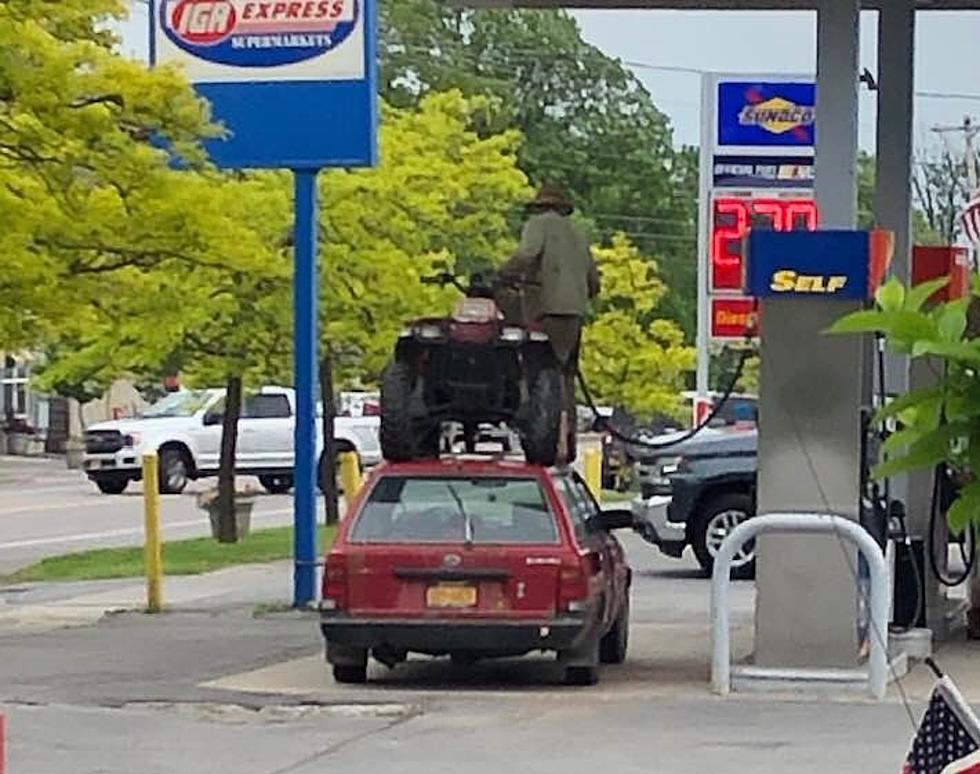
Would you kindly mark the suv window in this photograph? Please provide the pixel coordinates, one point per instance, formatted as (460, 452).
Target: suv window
(442, 509)
(262, 406)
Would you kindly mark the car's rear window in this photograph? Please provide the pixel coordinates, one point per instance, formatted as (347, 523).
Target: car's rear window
(453, 509)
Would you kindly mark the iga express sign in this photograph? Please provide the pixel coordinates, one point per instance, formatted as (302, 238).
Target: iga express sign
(253, 33)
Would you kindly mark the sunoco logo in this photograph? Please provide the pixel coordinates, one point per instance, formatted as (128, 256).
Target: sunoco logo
(253, 33)
(776, 115)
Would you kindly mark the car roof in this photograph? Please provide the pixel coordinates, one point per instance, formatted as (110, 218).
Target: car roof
(469, 465)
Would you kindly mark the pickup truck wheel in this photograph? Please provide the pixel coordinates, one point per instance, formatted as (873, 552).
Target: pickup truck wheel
(713, 523)
(276, 484)
(174, 471)
(111, 485)
(612, 647)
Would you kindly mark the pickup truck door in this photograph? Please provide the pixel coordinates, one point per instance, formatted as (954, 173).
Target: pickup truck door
(265, 432)
(207, 436)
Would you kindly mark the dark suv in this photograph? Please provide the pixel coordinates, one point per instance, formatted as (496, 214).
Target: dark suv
(697, 492)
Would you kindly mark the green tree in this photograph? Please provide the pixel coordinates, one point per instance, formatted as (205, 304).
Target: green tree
(82, 192)
(588, 123)
(443, 195)
(630, 356)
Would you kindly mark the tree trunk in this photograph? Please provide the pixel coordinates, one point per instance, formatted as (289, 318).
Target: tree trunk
(328, 465)
(227, 526)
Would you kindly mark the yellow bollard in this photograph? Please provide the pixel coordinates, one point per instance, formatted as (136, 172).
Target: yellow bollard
(350, 475)
(152, 551)
(593, 472)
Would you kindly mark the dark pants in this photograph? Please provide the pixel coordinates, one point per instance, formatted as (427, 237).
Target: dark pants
(565, 333)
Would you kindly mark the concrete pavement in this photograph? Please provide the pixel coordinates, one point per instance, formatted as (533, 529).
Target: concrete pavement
(217, 683)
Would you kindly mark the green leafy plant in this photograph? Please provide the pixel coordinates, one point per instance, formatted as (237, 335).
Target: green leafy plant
(939, 423)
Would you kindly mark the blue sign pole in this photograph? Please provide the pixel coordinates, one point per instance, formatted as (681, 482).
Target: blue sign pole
(305, 284)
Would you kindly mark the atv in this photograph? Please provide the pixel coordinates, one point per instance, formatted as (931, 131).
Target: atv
(473, 368)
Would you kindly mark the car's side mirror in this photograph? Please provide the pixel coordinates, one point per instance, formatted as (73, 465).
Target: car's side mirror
(614, 518)
(213, 418)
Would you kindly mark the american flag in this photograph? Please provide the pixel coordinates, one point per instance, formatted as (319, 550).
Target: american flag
(970, 218)
(948, 739)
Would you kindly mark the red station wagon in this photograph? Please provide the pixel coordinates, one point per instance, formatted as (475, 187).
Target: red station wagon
(476, 559)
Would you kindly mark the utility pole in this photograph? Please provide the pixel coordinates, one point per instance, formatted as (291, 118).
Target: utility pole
(969, 131)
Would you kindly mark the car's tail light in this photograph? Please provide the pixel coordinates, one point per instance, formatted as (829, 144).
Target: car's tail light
(334, 592)
(573, 584)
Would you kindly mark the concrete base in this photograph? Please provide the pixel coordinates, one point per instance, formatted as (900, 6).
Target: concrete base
(915, 643)
(819, 682)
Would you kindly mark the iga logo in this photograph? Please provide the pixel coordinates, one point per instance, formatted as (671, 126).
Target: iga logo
(258, 33)
(204, 23)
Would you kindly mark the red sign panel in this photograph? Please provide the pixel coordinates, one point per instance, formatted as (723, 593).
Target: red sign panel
(733, 318)
(731, 219)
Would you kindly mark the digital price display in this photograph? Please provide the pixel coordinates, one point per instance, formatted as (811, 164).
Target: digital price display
(731, 219)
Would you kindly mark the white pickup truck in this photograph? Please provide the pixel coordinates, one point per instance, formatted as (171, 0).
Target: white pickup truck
(184, 429)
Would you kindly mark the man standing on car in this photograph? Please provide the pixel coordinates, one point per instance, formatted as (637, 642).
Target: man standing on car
(554, 254)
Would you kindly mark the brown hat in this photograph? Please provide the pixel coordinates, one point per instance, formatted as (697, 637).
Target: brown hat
(551, 197)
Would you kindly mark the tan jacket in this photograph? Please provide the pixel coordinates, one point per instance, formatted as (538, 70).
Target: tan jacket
(556, 254)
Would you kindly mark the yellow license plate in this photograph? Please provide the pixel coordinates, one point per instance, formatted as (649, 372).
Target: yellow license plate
(450, 596)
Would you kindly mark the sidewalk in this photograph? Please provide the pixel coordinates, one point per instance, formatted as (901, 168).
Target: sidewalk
(34, 608)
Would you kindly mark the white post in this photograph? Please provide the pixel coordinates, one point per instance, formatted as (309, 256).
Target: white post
(703, 342)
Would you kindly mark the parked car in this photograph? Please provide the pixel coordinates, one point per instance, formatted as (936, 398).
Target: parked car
(184, 429)
(694, 494)
(476, 559)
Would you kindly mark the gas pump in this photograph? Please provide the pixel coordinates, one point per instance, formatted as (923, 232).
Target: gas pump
(921, 571)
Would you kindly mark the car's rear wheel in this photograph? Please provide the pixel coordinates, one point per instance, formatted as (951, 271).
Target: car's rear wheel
(581, 675)
(713, 523)
(542, 419)
(350, 673)
(111, 485)
(613, 647)
(276, 484)
(174, 471)
(401, 437)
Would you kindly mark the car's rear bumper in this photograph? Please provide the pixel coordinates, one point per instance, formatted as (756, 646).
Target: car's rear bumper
(446, 636)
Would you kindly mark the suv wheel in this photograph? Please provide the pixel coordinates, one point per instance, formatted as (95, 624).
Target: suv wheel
(174, 471)
(713, 523)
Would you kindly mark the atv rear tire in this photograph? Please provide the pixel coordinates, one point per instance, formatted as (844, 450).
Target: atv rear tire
(542, 423)
(401, 437)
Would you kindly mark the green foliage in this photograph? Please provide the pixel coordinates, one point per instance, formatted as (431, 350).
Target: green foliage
(442, 195)
(631, 357)
(939, 423)
(589, 124)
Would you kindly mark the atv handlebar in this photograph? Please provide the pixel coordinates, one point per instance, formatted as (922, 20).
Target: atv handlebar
(478, 280)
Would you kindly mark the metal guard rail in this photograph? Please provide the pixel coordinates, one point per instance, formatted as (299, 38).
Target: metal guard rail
(799, 523)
